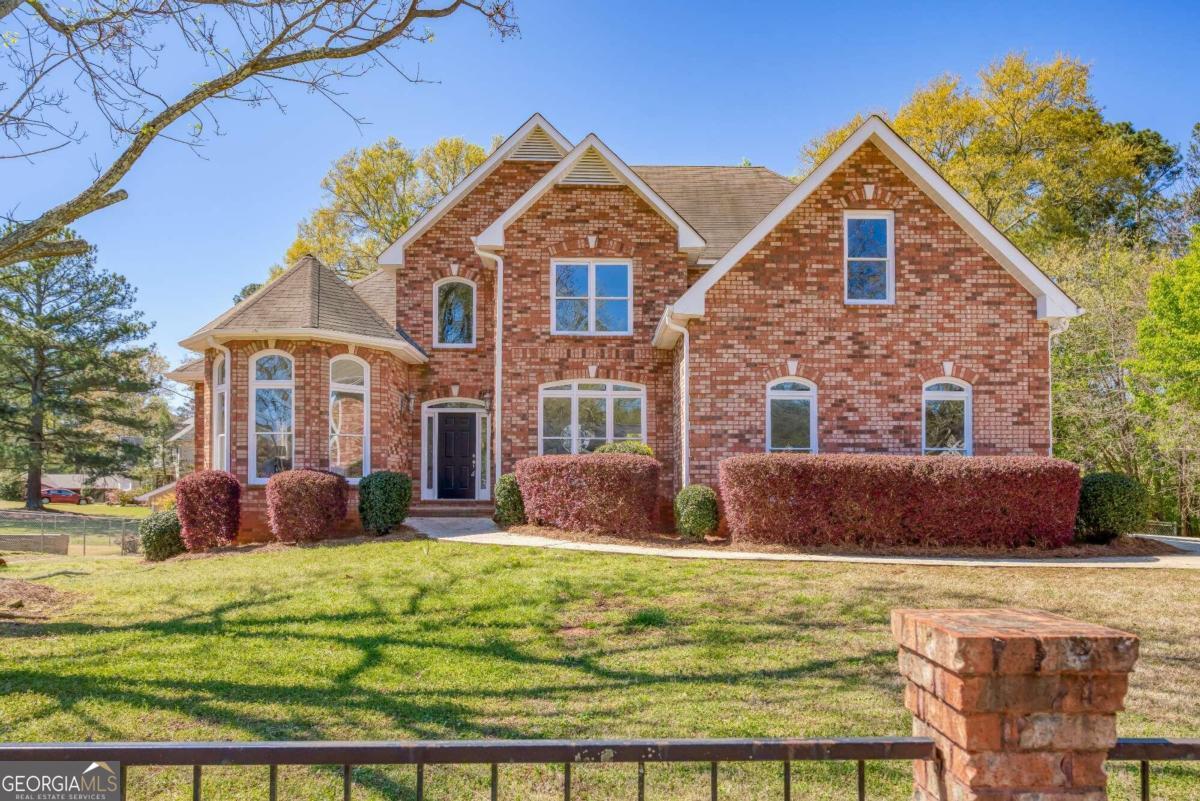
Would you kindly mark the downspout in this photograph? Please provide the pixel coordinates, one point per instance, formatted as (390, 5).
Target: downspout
(685, 450)
(497, 381)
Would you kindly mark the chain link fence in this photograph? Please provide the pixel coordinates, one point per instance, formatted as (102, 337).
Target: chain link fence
(67, 534)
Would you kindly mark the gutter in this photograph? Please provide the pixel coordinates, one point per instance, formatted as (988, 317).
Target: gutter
(497, 380)
(402, 348)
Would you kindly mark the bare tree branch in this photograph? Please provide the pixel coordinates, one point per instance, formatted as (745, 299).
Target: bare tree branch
(252, 43)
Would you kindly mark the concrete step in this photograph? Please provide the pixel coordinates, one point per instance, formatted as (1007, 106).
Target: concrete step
(451, 509)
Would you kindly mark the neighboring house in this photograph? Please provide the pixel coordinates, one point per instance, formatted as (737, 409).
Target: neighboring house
(705, 310)
(79, 481)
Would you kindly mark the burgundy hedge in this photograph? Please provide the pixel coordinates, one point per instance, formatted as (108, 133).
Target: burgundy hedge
(605, 493)
(988, 501)
(304, 505)
(208, 503)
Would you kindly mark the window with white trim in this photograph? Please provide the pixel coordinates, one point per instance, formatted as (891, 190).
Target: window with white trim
(792, 416)
(870, 263)
(220, 414)
(591, 297)
(349, 417)
(272, 407)
(946, 417)
(580, 416)
(454, 313)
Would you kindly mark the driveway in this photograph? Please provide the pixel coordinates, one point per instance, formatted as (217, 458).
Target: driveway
(482, 530)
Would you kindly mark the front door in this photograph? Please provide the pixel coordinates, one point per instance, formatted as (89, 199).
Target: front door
(456, 455)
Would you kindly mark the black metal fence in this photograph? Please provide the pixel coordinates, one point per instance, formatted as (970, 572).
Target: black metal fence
(496, 753)
(1145, 750)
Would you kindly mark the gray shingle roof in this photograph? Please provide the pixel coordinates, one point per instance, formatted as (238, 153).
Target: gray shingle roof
(190, 372)
(307, 295)
(721, 203)
(378, 290)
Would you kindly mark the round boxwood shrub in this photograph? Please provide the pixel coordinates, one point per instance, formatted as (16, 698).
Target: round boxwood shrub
(305, 505)
(383, 500)
(696, 511)
(626, 446)
(1111, 504)
(209, 506)
(510, 507)
(160, 534)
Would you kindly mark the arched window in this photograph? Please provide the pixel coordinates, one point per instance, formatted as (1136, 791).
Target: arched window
(272, 407)
(454, 313)
(946, 417)
(349, 417)
(220, 414)
(792, 416)
(580, 416)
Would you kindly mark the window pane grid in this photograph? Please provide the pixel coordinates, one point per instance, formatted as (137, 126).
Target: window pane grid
(591, 298)
(578, 420)
(869, 257)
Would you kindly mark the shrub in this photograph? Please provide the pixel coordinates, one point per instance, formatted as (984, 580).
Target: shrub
(127, 497)
(626, 446)
(510, 507)
(160, 536)
(696, 511)
(208, 504)
(609, 493)
(12, 487)
(383, 500)
(988, 501)
(1111, 504)
(303, 505)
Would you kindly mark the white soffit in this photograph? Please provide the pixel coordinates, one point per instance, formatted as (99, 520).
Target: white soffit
(536, 140)
(1052, 302)
(590, 163)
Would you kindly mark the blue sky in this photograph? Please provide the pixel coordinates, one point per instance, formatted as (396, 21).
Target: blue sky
(661, 82)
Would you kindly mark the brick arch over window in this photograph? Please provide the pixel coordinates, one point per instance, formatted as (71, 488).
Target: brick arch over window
(583, 374)
(931, 370)
(774, 372)
(881, 198)
(607, 245)
(469, 272)
(467, 390)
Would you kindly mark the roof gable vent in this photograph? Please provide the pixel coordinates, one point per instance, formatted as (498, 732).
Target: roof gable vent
(537, 146)
(591, 168)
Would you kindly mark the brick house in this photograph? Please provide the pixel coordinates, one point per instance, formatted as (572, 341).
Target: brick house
(558, 298)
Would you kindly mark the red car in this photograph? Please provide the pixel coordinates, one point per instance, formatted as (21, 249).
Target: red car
(63, 496)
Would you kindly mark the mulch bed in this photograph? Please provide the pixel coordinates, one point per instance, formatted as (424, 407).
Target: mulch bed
(1125, 546)
(30, 602)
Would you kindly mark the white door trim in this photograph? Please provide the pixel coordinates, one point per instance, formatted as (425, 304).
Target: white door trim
(429, 424)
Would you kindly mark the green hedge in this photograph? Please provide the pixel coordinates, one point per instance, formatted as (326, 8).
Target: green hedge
(1111, 504)
(510, 506)
(383, 500)
(160, 536)
(696, 511)
(626, 446)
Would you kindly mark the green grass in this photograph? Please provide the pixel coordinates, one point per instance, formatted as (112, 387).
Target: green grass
(90, 509)
(442, 640)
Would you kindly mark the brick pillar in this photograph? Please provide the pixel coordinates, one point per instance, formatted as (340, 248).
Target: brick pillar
(1022, 704)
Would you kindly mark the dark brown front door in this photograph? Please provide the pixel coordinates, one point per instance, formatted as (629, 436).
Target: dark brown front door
(456, 455)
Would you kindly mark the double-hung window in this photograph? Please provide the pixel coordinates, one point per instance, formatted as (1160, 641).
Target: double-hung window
(349, 417)
(870, 257)
(580, 416)
(272, 406)
(591, 297)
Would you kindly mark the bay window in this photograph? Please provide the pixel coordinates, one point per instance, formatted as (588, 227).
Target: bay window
(349, 417)
(272, 408)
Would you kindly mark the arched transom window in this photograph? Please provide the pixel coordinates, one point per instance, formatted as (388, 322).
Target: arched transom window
(220, 414)
(580, 416)
(454, 313)
(349, 417)
(946, 417)
(272, 407)
(792, 416)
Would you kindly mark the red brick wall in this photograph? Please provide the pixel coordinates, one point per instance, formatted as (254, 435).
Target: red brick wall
(389, 418)
(785, 301)
(558, 226)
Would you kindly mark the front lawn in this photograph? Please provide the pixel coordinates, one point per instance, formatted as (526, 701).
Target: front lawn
(441, 640)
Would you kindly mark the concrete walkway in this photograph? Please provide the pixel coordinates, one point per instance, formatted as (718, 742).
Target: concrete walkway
(481, 530)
